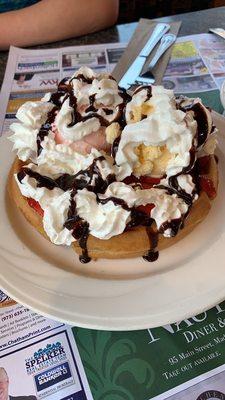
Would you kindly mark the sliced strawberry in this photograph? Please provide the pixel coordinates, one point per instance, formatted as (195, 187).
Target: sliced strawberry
(207, 186)
(131, 179)
(148, 182)
(36, 206)
(204, 165)
(146, 209)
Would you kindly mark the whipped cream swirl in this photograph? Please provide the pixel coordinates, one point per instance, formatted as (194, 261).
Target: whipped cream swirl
(164, 125)
(102, 86)
(55, 204)
(31, 116)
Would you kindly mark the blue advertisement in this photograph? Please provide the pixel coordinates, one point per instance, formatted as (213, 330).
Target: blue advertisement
(52, 376)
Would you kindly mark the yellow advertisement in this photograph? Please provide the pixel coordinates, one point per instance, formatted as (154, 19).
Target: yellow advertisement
(184, 50)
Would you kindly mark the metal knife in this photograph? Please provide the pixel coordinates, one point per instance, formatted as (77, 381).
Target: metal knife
(148, 76)
(218, 31)
(136, 67)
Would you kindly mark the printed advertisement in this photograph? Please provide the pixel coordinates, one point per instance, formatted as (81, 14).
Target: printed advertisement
(38, 357)
(47, 367)
(196, 68)
(30, 81)
(38, 61)
(31, 73)
(184, 360)
(196, 61)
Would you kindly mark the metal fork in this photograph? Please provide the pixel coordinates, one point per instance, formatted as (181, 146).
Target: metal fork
(148, 77)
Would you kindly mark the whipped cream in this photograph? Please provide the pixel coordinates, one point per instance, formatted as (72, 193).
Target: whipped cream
(108, 220)
(191, 105)
(121, 191)
(56, 159)
(55, 204)
(166, 207)
(31, 115)
(82, 135)
(46, 97)
(160, 99)
(185, 182)
(164, 126)
(85, 71)
(106, 92)
(105, 220)
(104, 89)
(77, 131)
(107, 167)
(156, 141)
(34, 113)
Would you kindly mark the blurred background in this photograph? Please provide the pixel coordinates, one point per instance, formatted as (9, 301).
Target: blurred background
(132, 10)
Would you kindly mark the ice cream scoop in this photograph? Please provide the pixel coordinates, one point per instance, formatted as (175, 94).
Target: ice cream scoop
(161, 132)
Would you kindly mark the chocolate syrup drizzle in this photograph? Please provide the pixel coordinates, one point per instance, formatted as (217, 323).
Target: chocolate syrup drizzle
(92, 102)
(83, 179)
(45, 128)
(91, 178)
(66, 89)
(126, 99)
(201, 118)
(153, 254)
(79, 227)
(83, 78)
(147, 88)
(174, 188)
(63, 88)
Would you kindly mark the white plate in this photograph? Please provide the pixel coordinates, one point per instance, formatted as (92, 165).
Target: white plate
(122, 294)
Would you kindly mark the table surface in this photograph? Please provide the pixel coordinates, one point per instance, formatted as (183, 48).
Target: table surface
(192, 23)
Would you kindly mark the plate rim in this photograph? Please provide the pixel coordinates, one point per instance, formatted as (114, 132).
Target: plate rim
(107, 325)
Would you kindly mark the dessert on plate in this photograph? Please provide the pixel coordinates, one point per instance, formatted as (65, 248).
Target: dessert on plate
(113, 174)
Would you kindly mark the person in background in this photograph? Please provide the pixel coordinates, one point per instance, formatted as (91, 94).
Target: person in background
(32, 22)
(4, 388)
